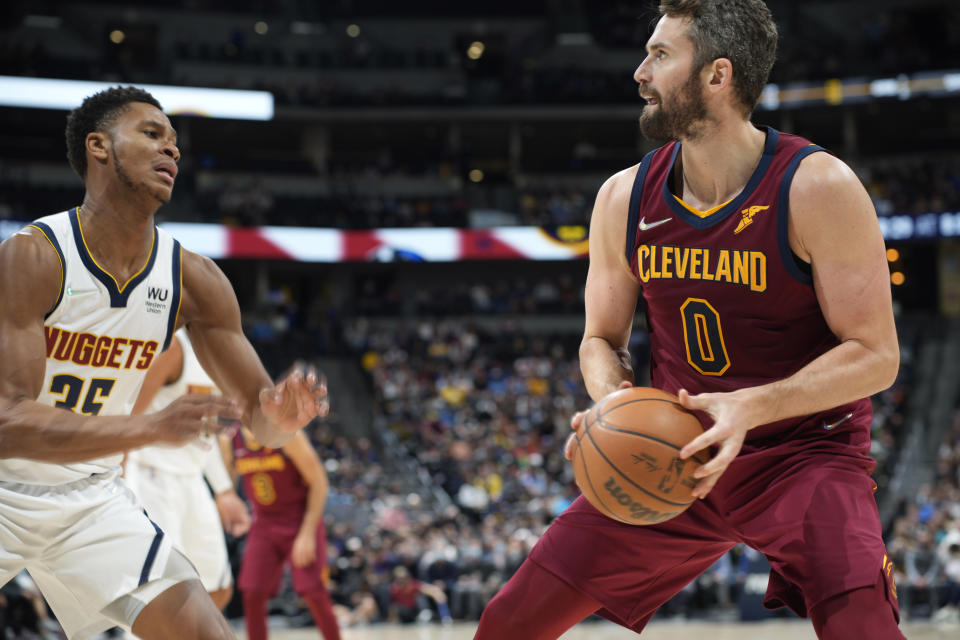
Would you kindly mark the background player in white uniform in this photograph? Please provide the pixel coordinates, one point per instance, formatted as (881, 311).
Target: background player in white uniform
(169, 480)
(90, 296)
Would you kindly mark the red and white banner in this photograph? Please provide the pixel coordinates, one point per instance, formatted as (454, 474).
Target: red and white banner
(308, 244)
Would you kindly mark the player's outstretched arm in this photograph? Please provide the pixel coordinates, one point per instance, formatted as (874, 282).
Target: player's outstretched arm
(209, 308)
(29, 429)
(610, 295)
(833, 225)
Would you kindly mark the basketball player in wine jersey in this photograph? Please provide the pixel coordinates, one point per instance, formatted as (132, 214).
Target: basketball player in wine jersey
(287, 488)
(763, 272)
(90, 297)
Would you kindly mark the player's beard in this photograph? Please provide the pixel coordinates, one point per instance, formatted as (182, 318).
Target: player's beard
(127, 181)
(682, 115)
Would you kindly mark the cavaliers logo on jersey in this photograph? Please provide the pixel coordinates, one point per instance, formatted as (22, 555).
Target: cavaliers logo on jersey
(747, 218)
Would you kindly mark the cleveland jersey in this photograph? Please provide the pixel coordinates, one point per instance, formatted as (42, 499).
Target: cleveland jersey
(101, 337)
(270, 481)
(728, 303)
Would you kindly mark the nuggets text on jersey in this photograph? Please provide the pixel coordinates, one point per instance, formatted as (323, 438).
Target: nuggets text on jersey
(87, 349)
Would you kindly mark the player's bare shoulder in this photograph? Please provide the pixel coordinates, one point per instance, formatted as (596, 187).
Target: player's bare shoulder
(826, 197)
(822, 175)
(613, 198)
(31, 271)
(608, 224)
(208, 295)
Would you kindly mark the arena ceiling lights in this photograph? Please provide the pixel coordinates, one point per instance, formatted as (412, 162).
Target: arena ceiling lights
(857, 90)
(49, 93)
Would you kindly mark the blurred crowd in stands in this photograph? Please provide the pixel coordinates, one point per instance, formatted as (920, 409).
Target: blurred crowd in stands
(907, 186)
(915, 187)
(925, 540)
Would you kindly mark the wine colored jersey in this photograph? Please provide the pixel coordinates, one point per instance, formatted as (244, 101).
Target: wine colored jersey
(730, 306)
(271, 481)
(728, 303)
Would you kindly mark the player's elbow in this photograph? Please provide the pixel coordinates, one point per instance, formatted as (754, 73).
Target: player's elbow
(590, 343)
(889, 366)
(882, 365)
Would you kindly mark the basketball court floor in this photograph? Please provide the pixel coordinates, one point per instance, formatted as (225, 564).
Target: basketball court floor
(778, 630)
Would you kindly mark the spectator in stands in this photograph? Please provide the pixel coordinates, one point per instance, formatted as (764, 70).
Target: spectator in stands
(923, 571)
(406, 599)
(949, 554)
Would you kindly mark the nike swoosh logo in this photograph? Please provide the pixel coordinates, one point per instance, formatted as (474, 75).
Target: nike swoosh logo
(79, 292)
(828, 427)
(644, 226)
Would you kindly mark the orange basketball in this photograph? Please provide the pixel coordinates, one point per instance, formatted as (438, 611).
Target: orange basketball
(627, 462)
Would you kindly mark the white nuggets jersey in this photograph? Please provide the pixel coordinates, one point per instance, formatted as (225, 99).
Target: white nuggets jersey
(101, 338)
(193, 380)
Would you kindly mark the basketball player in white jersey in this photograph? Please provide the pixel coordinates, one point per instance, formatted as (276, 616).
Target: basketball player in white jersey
(170, 480)
(90, 296)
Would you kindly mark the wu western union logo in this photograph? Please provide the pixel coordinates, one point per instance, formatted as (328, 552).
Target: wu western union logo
(747, 268)
(747, 218)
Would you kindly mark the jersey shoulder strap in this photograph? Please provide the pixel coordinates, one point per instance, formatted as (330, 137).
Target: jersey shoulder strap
(634, 209)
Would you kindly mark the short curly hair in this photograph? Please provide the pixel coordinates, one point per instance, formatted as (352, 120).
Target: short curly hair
(741, 30)
(96, 113)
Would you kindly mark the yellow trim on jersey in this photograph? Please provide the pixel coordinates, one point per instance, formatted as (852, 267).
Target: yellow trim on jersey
(63, 267)
(700, 320)
(697, 212)
(120, 289)
(176, 318)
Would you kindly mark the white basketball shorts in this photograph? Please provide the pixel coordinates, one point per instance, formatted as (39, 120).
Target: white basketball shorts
(183, 507)
(87, 544)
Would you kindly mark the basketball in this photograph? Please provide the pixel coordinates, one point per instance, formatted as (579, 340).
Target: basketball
(626, 459)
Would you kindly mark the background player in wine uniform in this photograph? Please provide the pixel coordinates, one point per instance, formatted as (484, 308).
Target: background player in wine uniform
(762, 269)
(287, 489)
(90, 296)
(170, 480)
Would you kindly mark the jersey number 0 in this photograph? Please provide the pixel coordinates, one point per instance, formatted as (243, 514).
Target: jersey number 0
(703, 336)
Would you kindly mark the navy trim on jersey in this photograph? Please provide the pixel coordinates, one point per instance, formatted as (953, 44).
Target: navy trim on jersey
(45, 229)
(118, 298)
(151, 554)
(769, 148)
(175, 298)
(634, 208)
(796, 267)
